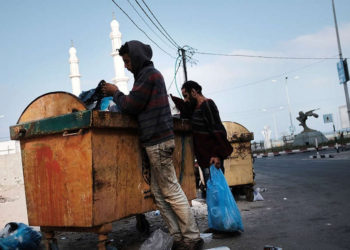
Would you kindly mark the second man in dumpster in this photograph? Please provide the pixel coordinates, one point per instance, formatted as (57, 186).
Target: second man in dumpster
(148, 101)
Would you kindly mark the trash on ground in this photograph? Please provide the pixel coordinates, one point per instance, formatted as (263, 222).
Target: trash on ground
(285, 198)
(19, 236)
(268, 247)
(158, 240)
(198, 202)
(257, 195)
(261, 190)
(156, 213)
(207, 237)
(219, 248)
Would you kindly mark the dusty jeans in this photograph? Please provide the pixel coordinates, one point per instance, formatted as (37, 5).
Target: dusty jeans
(169, 196)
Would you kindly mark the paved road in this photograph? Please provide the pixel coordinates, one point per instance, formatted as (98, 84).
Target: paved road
(306, 206)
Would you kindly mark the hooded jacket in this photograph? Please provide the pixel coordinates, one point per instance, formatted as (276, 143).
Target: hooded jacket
(148, 99)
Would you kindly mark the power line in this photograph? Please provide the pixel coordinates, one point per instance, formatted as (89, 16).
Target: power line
(159, 23)
(142, 30)
(174, 79)
(268, 57)
(266, 79)
(173, 43)
(148, 24)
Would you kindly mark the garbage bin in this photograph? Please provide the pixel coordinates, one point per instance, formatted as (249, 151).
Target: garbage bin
(83, 169)
(239, 170)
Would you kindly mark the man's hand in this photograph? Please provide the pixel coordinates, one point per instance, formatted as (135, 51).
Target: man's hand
(216, 161)
(109, 89)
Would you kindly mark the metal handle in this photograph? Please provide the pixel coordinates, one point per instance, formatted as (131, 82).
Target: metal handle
(22, 132)
(66, 133)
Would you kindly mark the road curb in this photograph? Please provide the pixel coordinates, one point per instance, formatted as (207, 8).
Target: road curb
(290, 152)
(321, 156)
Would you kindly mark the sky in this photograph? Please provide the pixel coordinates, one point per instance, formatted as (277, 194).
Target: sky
(36, 36)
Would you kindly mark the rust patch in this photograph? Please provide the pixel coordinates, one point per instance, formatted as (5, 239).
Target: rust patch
(242, 150)
(100, 184)
(44, 158)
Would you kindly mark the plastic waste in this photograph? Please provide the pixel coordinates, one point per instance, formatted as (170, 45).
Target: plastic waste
(19, 236)
(268, 247)
(219, 248)
(223, 213)
(257, 195)
(158, 240)
(207, 237)
(105, 102)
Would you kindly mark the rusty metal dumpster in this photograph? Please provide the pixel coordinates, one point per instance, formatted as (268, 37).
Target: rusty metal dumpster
(239, 170)
(83, 169)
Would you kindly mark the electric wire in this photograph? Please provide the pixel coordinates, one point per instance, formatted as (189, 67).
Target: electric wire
(143, 30)
(174, 44)
(266, 79)
(155, 33)
(159, 23)
(268, 57)
(174, 79)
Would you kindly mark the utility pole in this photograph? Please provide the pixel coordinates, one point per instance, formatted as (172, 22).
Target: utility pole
(183, 52)
(341, 59)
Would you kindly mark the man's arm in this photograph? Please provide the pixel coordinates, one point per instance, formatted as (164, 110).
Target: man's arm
(182, 107)
(137, 99)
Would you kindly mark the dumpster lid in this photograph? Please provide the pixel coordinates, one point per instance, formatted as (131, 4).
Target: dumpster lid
(50, 105)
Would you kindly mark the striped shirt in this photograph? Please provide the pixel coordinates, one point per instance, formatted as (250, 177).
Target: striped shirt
(148, 101)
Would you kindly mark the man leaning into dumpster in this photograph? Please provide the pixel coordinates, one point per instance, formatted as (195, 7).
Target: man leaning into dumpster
(148, 101)
(209, 135)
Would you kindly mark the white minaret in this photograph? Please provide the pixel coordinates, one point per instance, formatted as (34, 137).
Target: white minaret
(74, 70)
(120, 79)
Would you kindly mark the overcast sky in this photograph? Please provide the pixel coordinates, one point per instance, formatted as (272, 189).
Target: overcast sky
(36, 36)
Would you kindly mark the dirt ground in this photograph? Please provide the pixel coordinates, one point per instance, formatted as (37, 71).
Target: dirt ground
(123, 236)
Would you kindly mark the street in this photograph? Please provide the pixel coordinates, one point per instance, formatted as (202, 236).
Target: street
(306, 204)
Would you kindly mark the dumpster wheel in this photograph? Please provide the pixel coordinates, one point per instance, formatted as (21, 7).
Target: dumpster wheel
(249, 194)
(246, 190)
(142, 225)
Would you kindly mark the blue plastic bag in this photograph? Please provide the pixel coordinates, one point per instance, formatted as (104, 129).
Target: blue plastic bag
(223, 213)
(19, 236)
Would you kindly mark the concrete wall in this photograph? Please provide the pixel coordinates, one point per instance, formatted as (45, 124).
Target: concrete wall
(9, 147)
(11, 172)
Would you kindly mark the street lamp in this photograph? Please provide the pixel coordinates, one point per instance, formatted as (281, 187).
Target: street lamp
(274, 111)
(345, 84)
(291, 127)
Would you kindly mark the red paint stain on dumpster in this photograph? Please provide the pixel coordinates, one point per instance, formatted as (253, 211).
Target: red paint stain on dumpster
(44, 157)
(51, 185)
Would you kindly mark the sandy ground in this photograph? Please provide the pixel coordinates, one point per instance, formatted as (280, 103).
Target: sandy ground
(12, 204)
(123, 236)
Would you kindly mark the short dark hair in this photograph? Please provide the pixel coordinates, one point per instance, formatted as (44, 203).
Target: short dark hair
(124, 49)
(189, 85)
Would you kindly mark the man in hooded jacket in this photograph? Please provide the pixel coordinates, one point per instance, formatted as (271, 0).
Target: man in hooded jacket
(148, 101)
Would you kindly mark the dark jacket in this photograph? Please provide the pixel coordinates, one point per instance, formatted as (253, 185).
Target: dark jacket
(148, 99)
(209, 135)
